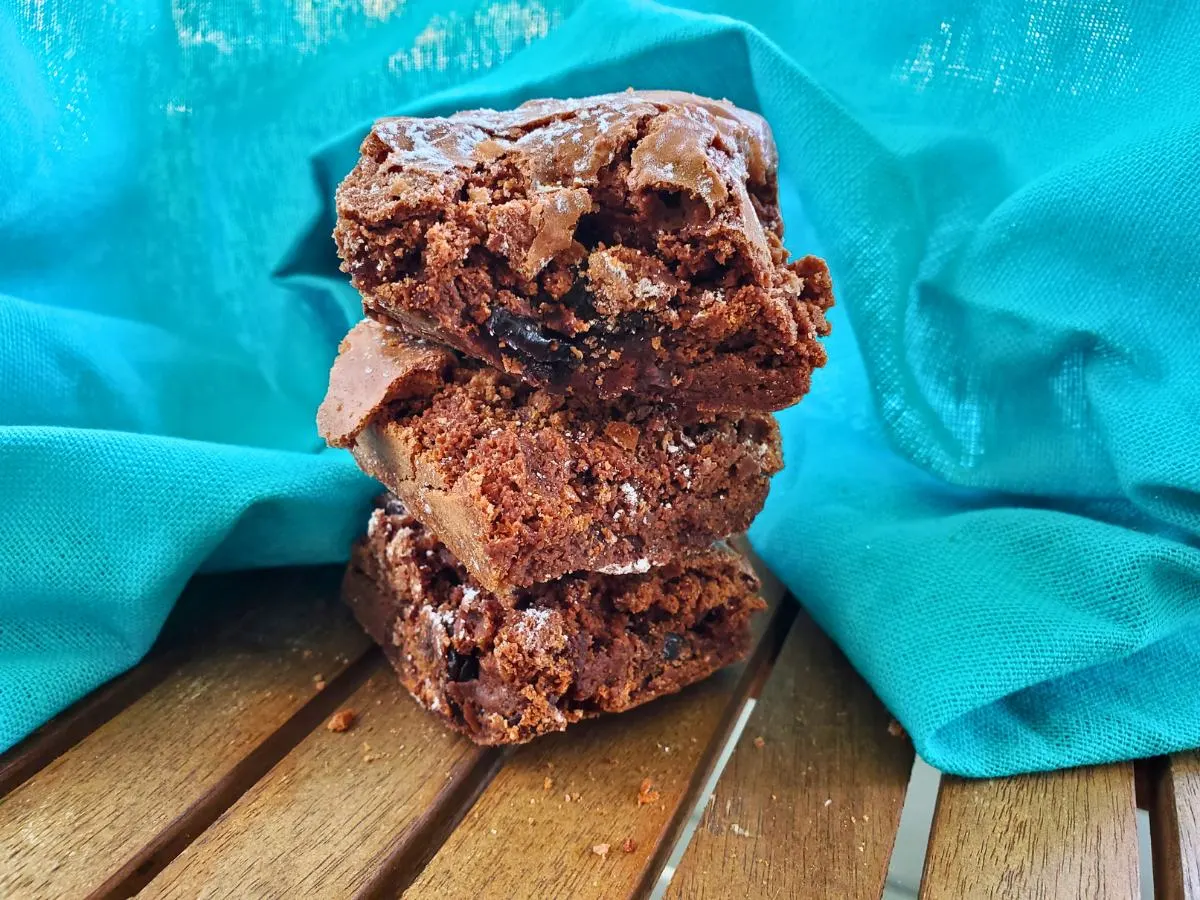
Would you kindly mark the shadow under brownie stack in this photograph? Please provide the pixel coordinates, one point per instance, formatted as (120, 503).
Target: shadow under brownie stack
(580, 316)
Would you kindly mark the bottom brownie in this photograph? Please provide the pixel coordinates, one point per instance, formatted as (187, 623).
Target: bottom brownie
(503, 670)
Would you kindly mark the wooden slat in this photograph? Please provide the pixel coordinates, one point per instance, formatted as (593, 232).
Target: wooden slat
(1063, 834)
(558, 798)
(113, 809)
(206, 599)
(341, 811)
(810, 801)
(1175, 822)
(76, 722)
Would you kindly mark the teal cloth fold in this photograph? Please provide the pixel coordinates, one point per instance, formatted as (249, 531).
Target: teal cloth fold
(992, 495)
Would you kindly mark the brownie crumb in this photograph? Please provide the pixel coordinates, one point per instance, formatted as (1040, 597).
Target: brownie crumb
(342, 720)
(629, 845)
(623, 434)
(647, 792)
(759, 743)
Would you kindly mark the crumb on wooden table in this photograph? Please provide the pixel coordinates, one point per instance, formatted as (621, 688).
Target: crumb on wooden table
(547, 783)
(629, 845)
(895, 729)
(600, 849)
(759, 742)
(342, 720)
(646, 792)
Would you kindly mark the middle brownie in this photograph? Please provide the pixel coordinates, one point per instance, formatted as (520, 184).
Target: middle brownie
(524, 485)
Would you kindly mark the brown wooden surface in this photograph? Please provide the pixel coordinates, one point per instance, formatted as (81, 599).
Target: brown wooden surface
(1063, 834)
(101, 813)
(809, 803)
(205, 600)
(209, 772)
(555, 800)
(338, 810)
(1175, 821)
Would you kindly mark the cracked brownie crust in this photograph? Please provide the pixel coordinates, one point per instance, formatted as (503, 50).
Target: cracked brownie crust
(503, 669)
(621, 243)
(524, 485)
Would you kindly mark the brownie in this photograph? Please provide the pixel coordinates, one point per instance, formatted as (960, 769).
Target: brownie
(622, 243)
(503, 669)
(525, 485)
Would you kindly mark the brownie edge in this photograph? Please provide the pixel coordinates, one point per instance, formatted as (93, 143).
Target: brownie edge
(505, 669)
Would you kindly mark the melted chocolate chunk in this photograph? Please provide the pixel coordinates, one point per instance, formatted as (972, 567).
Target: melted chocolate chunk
(672, 644)
(461, 667)
(527, 338)
(579, 300)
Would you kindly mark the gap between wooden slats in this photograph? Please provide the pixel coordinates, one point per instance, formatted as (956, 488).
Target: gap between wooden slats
(1175, 826)
(1050, 835)
(810, 801)
(555, 801)
(109, 812)
(206, 600)
(341, 812)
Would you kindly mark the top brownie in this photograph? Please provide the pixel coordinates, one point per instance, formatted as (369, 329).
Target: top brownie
(625, 242)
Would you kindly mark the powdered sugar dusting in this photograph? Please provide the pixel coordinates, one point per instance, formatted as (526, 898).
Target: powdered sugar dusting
(535, 629)
(431, 144)
(631, 495)
(646, 289)
(375, 523)
(640, 567)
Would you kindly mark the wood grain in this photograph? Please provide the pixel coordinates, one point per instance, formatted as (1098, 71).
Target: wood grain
(337, 809)
(76, 722)
(555, 801)
(1063, 834)
(206, 599)
(119, 803)
(809, 803)
(1175, 823)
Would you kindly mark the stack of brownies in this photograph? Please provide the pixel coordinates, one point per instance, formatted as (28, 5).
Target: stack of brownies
(579, 317)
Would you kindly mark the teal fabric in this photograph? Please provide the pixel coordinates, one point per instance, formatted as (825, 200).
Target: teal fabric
(992, 496)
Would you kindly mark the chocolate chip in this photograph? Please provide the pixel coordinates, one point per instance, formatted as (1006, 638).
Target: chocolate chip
(461, 667)
(526, 337)
(579, 300)
(633, 323)
(672, 644)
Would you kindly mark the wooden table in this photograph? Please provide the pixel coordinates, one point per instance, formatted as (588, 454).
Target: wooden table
(209, 771)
